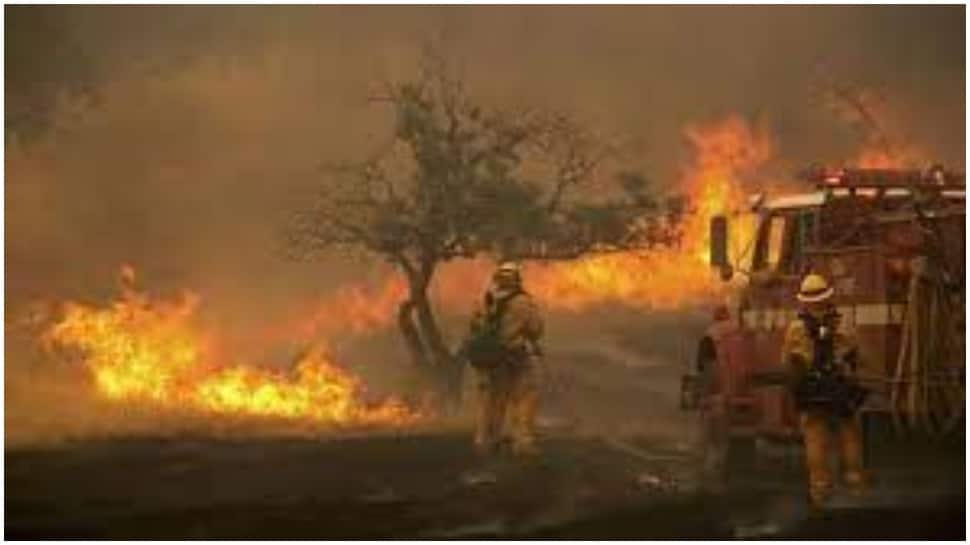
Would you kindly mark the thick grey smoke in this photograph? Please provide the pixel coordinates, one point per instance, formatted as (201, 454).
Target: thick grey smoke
(177, 138)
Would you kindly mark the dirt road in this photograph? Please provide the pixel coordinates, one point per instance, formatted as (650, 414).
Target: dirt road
(432, 486)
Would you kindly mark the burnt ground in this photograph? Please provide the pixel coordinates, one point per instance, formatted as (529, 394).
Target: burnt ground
(425, 486)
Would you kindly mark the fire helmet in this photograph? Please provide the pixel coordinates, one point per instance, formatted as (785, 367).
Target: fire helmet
(507, 273)
(814, 289)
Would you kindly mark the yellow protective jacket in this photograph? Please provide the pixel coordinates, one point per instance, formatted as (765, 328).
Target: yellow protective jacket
(798, 343)
(521, 327)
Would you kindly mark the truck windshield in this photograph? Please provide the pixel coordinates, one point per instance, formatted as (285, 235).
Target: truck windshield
(781, 242)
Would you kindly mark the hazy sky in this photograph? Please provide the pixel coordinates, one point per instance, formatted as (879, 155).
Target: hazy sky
(203, 123)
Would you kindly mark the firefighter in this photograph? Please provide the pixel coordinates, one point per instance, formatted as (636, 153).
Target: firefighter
(712, 403)
(503, 347)
(821, 359)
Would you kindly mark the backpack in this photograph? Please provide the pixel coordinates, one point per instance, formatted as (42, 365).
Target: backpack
(825, 386)
(484, 347)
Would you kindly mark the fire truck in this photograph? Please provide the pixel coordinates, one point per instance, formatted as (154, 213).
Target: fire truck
(891, 242)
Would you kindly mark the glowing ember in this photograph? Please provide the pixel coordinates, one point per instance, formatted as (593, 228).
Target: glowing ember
(141, 350)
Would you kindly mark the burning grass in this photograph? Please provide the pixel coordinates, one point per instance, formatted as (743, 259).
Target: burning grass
(725, 151)
(139, 350)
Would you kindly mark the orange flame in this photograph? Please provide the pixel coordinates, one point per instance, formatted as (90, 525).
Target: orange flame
(353, 309)
(677, 277)
(885, 138)
(877, 157)
(724, 152)
(142, 350)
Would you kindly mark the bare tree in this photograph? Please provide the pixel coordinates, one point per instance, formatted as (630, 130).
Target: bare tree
(458, 181)
(862, 108)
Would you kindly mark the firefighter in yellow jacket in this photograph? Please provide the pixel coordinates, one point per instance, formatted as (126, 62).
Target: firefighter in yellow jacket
(504, 348)
(821, 359)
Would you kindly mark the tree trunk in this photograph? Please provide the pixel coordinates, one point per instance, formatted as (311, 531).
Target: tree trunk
(412, 338)
(420, 329)
(429, 330)
(445, 368)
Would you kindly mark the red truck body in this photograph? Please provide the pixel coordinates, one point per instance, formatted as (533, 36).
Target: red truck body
(862, 230)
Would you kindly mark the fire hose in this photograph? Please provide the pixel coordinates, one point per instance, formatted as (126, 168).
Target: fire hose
(928, 392)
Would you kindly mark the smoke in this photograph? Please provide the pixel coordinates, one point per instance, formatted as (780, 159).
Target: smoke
(176, 139)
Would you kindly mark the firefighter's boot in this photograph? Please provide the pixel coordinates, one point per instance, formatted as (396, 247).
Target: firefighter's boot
(493, 398)
(523, 405)
(850, 439)
(815, 433)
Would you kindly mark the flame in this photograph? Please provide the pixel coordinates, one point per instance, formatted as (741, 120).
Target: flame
(723, 152)
(353, 309)
(877, 157)
(885, 137)
(144, 350)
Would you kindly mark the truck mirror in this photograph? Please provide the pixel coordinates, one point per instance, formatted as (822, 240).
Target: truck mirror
(719, 238)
